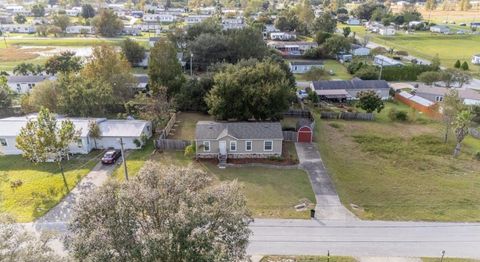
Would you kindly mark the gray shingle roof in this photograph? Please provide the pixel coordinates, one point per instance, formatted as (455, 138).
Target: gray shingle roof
(26, 79)
(239, 130)
(350, 84)
(306, 62)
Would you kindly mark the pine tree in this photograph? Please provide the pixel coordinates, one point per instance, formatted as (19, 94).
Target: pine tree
(464, 66)
(457, 64)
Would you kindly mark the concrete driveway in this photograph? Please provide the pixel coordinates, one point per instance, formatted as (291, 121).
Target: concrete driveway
(328, 205)
(62, 212)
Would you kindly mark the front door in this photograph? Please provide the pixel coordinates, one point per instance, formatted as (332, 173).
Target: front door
(222, 146)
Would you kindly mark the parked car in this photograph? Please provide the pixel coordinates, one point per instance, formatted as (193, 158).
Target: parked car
(111, 156)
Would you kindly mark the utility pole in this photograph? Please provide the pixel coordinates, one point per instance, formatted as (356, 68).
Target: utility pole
(191, 64)
(123, 159)
(443, 254)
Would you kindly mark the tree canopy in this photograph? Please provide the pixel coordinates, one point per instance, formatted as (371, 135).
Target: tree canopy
(107, 23)
(164, 69)
(370, 101)
(133, 51)
(168, 214)
(65, 62)
(250, 90)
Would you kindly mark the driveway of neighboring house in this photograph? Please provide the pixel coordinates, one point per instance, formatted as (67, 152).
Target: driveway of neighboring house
(328, 205)
(63, 211)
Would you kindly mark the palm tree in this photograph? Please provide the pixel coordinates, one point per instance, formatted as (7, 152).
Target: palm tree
(462, 123)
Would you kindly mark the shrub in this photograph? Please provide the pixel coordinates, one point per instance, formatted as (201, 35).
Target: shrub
(137, 142)
(190, 150)
(16, 183)
(395, 115)
(335, 125)
(457, 64)
(464, 66)
(476, 156)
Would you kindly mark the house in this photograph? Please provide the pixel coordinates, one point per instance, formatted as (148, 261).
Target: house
(196, 19)
(440, 29)
(344, 57)
(6, 19)
(18, 28)
(162, 18)
(343, 90)
(354, 21)
(209, 10)
(382, 60)
(476, 59)
(413, 24)
(358, 50)
(131, 131)
(301, 67)
(238, 139)
(475, 24)
(130, 30)
(23, 84)
(418, 103)
(232, 23)
(137, 13)
(153, 40)
(73, 12)
(147, 27)
(283, 36)
(296, 48)
(437, 94)
(386, 31)
(142, 82)
(80, 29)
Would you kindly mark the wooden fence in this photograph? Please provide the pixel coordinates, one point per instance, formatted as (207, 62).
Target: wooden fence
(298, 113)
(164, 132)
(290, 136)
(475, 132)
(347, 116)
(171, 144)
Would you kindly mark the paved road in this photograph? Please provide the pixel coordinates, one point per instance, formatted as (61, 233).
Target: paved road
(364, 238)
(328, 203)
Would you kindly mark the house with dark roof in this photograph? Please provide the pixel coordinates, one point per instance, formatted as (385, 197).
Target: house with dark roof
(301, 67)
(224, 140)
(342, 90)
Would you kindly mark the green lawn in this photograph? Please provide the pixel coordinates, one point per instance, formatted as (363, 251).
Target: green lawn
(185, 126)
(307, 259)
(339, 70)
(449, 48)
(135, 161)
(42, 185)
(401, 171)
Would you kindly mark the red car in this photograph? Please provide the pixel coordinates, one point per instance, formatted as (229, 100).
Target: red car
(111, 156)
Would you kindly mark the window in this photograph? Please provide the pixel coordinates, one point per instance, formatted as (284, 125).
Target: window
(206, 146)
(79, 143)
(248, 145)
(233, 145)
(268, 145)
(439, 98)
(3, 142)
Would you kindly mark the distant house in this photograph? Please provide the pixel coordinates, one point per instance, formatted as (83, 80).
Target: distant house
(360, 50)
(344, 57)
(382, 60)
(386, 31)
(296, 48)
(283, 36)
(301, 67)
(137, 13)
(476, 59)
(354, 21)
(475, 24)
(80, 29)
(440, 29)
(142, 82)
(343, 90)
(153, 40)
(130, 30)
(147, 27)
(18, 28)
(73, 12)
(164, 17)
(238, 139)
(23, 84)
(413, 24)
(233, 23)
(437, 94)
(111, 132)
(195, 19)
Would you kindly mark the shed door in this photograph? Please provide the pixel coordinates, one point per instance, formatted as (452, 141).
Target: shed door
(304, 135)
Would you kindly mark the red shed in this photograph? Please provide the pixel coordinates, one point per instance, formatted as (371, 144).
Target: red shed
(304, 131)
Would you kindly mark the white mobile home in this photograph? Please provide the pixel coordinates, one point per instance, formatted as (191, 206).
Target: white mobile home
(476, 59)
(17, 28)
(301, 67)
(80, 29)
(382, 60)
(23, 84)
(131, 131)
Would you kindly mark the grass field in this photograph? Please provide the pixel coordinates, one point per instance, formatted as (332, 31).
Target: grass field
(307, 259)
(42, 186)
(340, 71)
(401, 171)
(449, 48)
(135, 161)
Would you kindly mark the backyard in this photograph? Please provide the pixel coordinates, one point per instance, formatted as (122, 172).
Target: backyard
(41, 186)
(401, 170)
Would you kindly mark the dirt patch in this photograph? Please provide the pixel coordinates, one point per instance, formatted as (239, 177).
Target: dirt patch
(12, 54)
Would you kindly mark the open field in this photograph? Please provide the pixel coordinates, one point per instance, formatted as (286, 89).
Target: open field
(42, 184)
(401, 171)
(449, 48)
